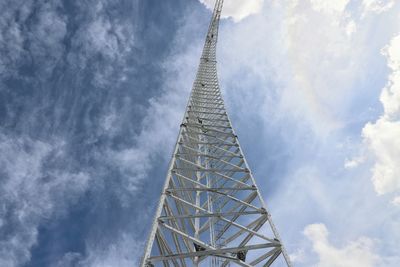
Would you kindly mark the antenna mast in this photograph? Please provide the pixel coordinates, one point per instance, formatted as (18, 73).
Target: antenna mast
(211, 212)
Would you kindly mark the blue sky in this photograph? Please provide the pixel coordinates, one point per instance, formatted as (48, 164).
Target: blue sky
(92, 94)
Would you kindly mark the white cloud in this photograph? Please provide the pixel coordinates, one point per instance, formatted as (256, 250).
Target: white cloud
(360, 252)
(352, 163)
(30, 193)
(305, 77)
(47, 36)
(351, 28)
(306, 74)
(322, 62)
(382, 140)
(40, 42)
(124, 251)
(396, 201)
(377, 6)
(156, 139)
(69, 259)
(314, 69)
(100, 34)
(160, 125)
(106, 35)
(337, 6)
(237, 9)
(382, 137)
(390, 97)
(298, 256)
(38, 36)
(34, 35)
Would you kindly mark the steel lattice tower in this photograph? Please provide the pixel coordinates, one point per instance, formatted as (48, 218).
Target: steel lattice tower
(211, 212)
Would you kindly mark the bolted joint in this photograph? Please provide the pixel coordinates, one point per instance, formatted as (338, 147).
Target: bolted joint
(198, 247)
(167, 192)
(263, 210)
(241, 255)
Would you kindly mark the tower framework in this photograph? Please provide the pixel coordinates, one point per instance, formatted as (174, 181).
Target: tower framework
(211, 212)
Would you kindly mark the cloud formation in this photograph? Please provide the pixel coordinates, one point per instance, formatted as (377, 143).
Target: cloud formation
(329, 6)
(382, 136)
(237, 9)
(356, 253)
(299, 98)
(296, 95)
(34, 187)
(101, 35)
(42, 43)
(377, 6)
(56, 59)
(123, 252)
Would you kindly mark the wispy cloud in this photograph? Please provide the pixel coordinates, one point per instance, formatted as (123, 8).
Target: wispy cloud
(152, 147)
(296, 75)
(34, 33)
(34, 187)
(50, 80)
(123, 252)
(100, 35)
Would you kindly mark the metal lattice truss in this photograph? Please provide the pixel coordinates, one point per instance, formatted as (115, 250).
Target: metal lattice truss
(211, 212)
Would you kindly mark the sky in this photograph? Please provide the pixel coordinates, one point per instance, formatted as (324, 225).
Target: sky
(92, 94)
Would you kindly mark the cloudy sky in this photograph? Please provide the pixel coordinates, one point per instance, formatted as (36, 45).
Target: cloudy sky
(92, 93)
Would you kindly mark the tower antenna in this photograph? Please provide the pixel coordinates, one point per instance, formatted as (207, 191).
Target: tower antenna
(211, 212)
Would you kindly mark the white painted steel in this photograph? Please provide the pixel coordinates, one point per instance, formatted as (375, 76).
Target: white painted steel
(211, 212)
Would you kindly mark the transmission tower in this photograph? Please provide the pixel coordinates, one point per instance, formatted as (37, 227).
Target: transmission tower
(211, 212)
